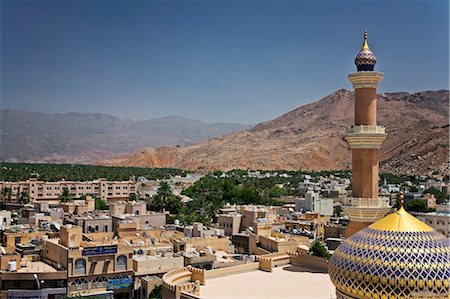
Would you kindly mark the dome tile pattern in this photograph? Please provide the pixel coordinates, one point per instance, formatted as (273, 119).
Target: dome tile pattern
(390, 260)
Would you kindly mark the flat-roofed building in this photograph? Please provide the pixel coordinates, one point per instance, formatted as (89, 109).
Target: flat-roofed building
(43, 191)
(103, 267)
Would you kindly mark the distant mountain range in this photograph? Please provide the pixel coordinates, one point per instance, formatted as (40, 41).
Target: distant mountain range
(87, 137)
(312, 137)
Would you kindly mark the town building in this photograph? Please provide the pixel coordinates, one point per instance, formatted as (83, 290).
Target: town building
(43, 191)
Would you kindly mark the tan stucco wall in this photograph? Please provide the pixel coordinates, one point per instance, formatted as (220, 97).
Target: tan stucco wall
(365, 106)
(365, 172)
(354, 227)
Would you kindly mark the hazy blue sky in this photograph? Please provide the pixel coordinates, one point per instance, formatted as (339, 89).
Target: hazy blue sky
(230, 61)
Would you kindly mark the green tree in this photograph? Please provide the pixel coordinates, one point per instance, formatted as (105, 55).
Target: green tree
(132, 197)
(24, 198)
(413, 189)
(65, 195)
(101, 204)
(416, 205)
(337, 211)
(156, 293)
(317, 249)
(6, 194)
(165, 200)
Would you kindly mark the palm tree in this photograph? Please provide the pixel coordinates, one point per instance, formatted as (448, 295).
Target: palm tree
(65, 195)
(24, 198)
(6, 193)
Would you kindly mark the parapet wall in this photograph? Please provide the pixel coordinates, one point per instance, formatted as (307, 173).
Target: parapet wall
(309, 261)
(185, 282)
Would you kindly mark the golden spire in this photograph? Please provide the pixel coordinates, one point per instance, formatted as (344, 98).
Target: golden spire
(365, 60)
(365, 44)
(401, 201)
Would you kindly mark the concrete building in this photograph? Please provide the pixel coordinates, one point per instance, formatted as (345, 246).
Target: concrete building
(312, 202)
(5, 219)
(43, 191)
(102, 268)
(230, 223)
(438, 221)
(365, 138)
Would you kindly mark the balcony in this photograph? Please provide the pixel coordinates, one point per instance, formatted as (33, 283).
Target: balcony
(368, 129)
(365, 136)
(379, 202)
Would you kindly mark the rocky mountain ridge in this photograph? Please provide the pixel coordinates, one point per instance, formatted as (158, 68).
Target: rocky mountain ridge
(312, 137)
(86, 137)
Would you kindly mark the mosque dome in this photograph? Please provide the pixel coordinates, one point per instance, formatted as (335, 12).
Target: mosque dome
(365, 60)
(396, 257)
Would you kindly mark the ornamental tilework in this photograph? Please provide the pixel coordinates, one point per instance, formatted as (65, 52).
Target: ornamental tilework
(392, 264)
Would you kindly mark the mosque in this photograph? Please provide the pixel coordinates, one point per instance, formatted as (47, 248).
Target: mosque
(397, 256)
(383, 257)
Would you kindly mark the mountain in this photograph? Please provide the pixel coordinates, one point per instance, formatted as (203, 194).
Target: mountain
(312, 137)
(86, 137)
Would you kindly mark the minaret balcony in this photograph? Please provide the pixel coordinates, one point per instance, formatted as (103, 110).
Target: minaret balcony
(365, 136)
(366, 209)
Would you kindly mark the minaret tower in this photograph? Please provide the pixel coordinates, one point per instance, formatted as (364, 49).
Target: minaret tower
(365, 138)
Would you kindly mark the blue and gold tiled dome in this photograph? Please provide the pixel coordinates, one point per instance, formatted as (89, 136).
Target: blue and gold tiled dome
(396, 257)
(365, 60)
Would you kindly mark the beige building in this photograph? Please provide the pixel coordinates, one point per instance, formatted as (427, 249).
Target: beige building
(93, 268)
(42, 191)
(439, 221)
(230, 223)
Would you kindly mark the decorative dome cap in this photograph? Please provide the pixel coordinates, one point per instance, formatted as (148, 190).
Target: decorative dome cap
(365, 60)
(396, 257)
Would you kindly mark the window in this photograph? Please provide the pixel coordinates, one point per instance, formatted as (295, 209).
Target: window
(78, 284)
(99, 282)
(17, 240)
(121, 263)
(80, 267)
(106, 228)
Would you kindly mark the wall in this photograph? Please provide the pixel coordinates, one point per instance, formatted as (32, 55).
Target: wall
(146, 265)
(309, 261)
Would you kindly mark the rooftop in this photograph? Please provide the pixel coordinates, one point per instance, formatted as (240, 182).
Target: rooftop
(290, 281)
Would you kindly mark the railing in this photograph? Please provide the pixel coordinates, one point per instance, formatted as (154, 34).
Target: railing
(379, 202)
(366, 129)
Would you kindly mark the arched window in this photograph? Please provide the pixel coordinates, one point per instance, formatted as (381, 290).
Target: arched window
(80, 267)
(121, 263)
(99, 282)
(137, 212)
(78, 284)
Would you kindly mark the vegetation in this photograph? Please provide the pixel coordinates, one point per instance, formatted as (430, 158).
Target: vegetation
(399, 179)
(440, 196)
(65, 196)
(6, 194)
(77, 172)
(416, 205)
(164, 200)
(156, 293)
(317, 249)
(24, 198)
(101, 204)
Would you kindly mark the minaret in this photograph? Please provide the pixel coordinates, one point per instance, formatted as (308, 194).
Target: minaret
(365, 138)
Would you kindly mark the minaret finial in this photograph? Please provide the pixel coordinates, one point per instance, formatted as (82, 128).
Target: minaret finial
(365, 60)
(401, 200)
